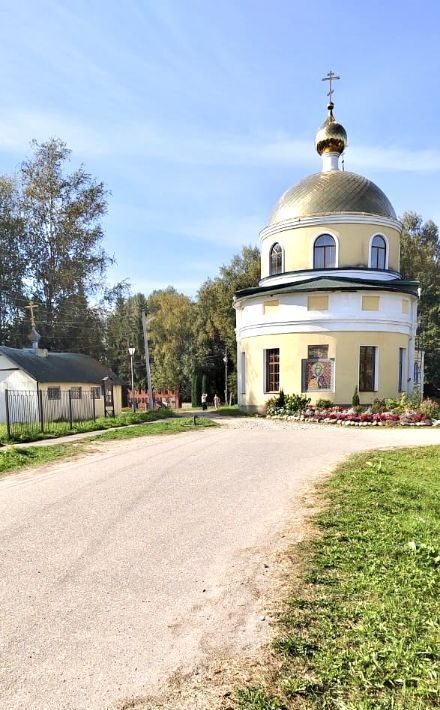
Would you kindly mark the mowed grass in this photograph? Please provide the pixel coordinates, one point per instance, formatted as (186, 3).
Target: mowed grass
(232, 411)
(55, 430)
(172, 426)
(363, 632)
(15, 458)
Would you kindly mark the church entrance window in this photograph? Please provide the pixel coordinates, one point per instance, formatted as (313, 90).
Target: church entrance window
(276, 259)
(317, 352)
(378, 253)
(324, 252)
(367, 368)
(272, 370)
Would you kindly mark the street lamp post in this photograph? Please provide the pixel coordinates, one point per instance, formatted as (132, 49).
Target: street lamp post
(131, 352)
(225, 360)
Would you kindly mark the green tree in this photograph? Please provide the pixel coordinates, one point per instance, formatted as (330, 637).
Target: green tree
(62, 221)
(215, 316)
(124, 330)
(13, 262)
(170, 316)
(420, 260)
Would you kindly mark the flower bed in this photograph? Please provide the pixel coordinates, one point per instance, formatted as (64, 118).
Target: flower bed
(404, 412)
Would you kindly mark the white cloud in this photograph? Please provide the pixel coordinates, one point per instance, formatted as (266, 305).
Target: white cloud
(146, 141)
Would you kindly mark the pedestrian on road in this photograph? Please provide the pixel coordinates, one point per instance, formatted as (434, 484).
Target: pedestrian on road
(216, 401)
(204, 401)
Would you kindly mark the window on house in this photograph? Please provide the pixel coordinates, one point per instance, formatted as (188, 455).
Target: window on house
(76, 392)
(243, 373)
(402, 368)
(367, 368)
(96, 392)
(54, 393)
(378, 253)
(272, 370)
(324, 252)
(317, 352)
(276, 259)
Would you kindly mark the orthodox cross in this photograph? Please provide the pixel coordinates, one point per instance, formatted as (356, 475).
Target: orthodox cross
(31, 307)
(331, 76)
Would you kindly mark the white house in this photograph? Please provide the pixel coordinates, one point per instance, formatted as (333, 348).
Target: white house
(69, 384)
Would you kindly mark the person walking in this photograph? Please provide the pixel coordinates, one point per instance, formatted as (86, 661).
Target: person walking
(216, 401)
(204, 401)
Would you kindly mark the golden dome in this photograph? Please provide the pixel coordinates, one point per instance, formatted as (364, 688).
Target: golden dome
(331, 137)
(332, 192)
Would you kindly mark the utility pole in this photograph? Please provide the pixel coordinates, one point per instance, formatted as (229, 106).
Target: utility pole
(147, 361)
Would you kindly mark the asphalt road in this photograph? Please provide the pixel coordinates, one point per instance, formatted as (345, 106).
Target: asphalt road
(119, 567)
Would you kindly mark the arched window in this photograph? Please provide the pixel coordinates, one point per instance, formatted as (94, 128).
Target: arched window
(378, 253)
(324, 252)
(276, 259)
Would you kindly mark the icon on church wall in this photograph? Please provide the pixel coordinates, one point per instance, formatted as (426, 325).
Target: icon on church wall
(317, 375)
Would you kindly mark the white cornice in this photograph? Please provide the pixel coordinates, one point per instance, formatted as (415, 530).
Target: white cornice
(307, 274)
(318, 220)
(384, 325)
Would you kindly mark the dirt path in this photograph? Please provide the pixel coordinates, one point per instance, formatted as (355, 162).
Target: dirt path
(153, 560)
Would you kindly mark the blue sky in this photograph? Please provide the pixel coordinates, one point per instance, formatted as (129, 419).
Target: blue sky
(198, 115)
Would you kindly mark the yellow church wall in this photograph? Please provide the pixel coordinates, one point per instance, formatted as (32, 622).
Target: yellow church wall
(342, 346)
(354, 246)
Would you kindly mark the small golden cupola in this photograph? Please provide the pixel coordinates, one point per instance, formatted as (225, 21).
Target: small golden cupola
(331, 138)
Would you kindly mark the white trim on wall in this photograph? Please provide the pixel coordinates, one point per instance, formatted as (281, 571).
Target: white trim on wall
(387, 248)
(306, 274)
(325, 220)
(323, 234)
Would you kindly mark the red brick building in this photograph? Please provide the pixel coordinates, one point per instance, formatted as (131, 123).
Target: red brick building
(161, 398)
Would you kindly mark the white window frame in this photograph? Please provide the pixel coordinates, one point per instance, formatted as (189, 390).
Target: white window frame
(266, 391)
(387, 250)
(243, 371)
(312, 260)
(376, 367)
(278, 273)
(403, 371)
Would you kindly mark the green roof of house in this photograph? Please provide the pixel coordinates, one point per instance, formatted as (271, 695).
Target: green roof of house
(333, 283)
(60, 367)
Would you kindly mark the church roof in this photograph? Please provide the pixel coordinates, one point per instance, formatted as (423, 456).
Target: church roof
(60, 367)
(332, 192)
(334, 283)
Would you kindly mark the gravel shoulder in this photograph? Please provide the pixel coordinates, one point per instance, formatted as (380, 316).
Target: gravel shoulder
(133, 574)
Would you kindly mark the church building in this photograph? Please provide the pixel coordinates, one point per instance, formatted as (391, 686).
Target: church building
(331, 312)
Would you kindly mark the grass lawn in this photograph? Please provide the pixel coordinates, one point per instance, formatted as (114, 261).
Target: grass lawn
(13, 459)
(56, 429)
(362, 632)
(233, 411)
(172, 426)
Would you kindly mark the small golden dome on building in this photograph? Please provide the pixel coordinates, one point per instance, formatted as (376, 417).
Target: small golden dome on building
(331, 137)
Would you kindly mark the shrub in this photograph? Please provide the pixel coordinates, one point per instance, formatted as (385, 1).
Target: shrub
(355, 402)
(429, 408)
(324, 404)
(286, 403)
(411, 400)
(281, 400)
(297, 402)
